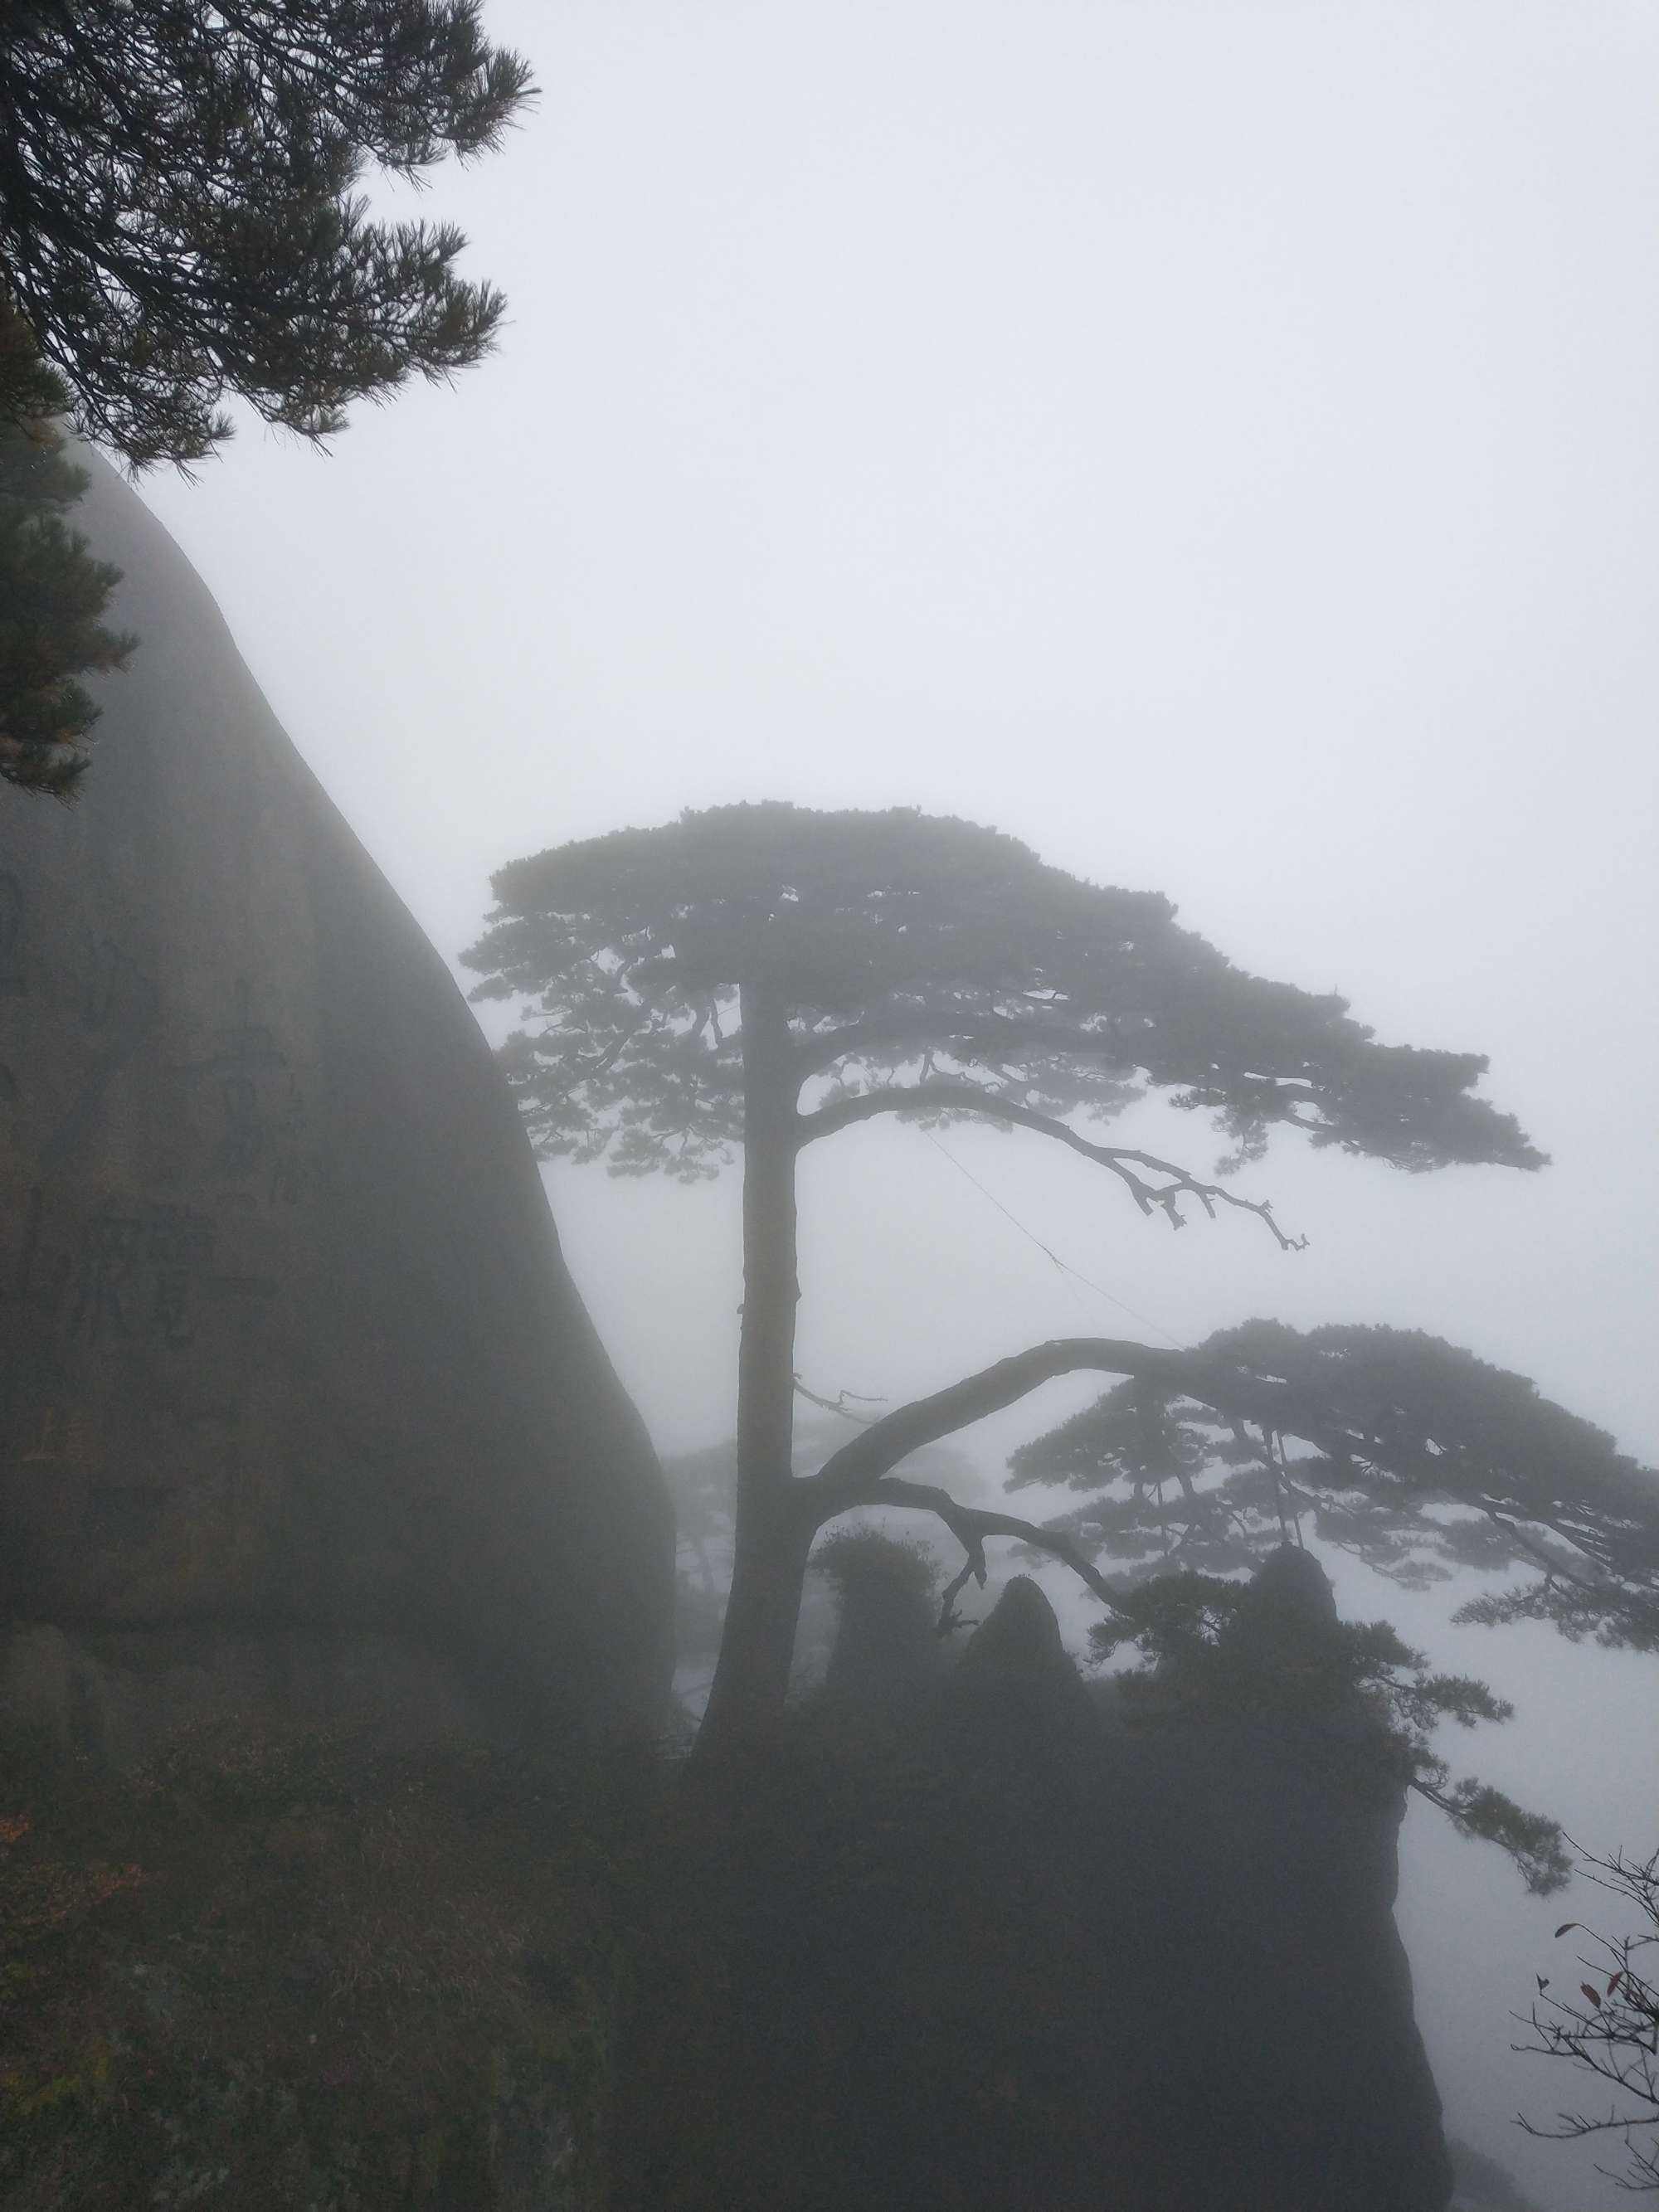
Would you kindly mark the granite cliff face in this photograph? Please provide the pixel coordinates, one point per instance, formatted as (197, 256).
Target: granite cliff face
(299, 1401)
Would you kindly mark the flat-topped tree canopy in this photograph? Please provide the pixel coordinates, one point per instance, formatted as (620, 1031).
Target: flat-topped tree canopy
(925, 965)
(1409, 1452)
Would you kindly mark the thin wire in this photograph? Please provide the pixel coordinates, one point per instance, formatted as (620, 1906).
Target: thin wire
(1065, 1266)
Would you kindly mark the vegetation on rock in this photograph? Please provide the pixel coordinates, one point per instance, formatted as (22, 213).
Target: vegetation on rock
(1212, 1649)
(285, 1965)
(972, 1945)
(52, 593)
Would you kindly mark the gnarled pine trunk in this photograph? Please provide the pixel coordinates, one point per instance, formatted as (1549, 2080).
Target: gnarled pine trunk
(774, 1531)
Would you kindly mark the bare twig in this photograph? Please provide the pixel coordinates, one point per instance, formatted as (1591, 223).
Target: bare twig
(838, 1404)
(1609, 2026)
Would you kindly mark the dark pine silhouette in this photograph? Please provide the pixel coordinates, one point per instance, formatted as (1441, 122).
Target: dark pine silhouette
(768, 976)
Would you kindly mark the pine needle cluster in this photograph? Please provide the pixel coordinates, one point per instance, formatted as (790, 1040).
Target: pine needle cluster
(52, 593)
(180, 212)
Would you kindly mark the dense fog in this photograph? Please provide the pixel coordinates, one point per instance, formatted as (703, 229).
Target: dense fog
(1218, 444)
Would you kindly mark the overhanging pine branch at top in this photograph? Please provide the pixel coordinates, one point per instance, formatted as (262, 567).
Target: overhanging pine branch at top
(180, 216)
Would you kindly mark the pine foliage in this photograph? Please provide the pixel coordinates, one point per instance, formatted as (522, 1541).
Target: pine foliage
(1409, 1452)
(52, 593)
(1213, 1650)
(926, 955)
(180, 211)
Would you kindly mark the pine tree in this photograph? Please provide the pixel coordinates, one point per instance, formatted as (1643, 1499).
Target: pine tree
(767, 976)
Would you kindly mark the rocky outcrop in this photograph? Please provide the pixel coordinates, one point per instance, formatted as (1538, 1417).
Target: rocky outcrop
(1483, 2185)
(1228, 2004)
(298, 1397)
(1014, 1956)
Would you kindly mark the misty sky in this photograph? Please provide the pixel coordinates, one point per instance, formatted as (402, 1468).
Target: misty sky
(1218, 443)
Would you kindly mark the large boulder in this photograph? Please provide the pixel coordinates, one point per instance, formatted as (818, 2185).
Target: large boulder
(299, 1401)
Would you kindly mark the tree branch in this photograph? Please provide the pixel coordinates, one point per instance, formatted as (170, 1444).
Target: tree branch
(839, 1405)
(905, 1031)
(970, 1525)
(944, 1098)
(847, 1476)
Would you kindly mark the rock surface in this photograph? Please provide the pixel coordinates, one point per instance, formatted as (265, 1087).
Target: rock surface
(296, 1381)
(1227, 1998)
(1014, 1958)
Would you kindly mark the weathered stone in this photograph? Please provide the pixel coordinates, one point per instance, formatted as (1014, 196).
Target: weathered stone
(1015, 1700)
(1019, 1958)
(1293, 1580)
(291, 1352)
